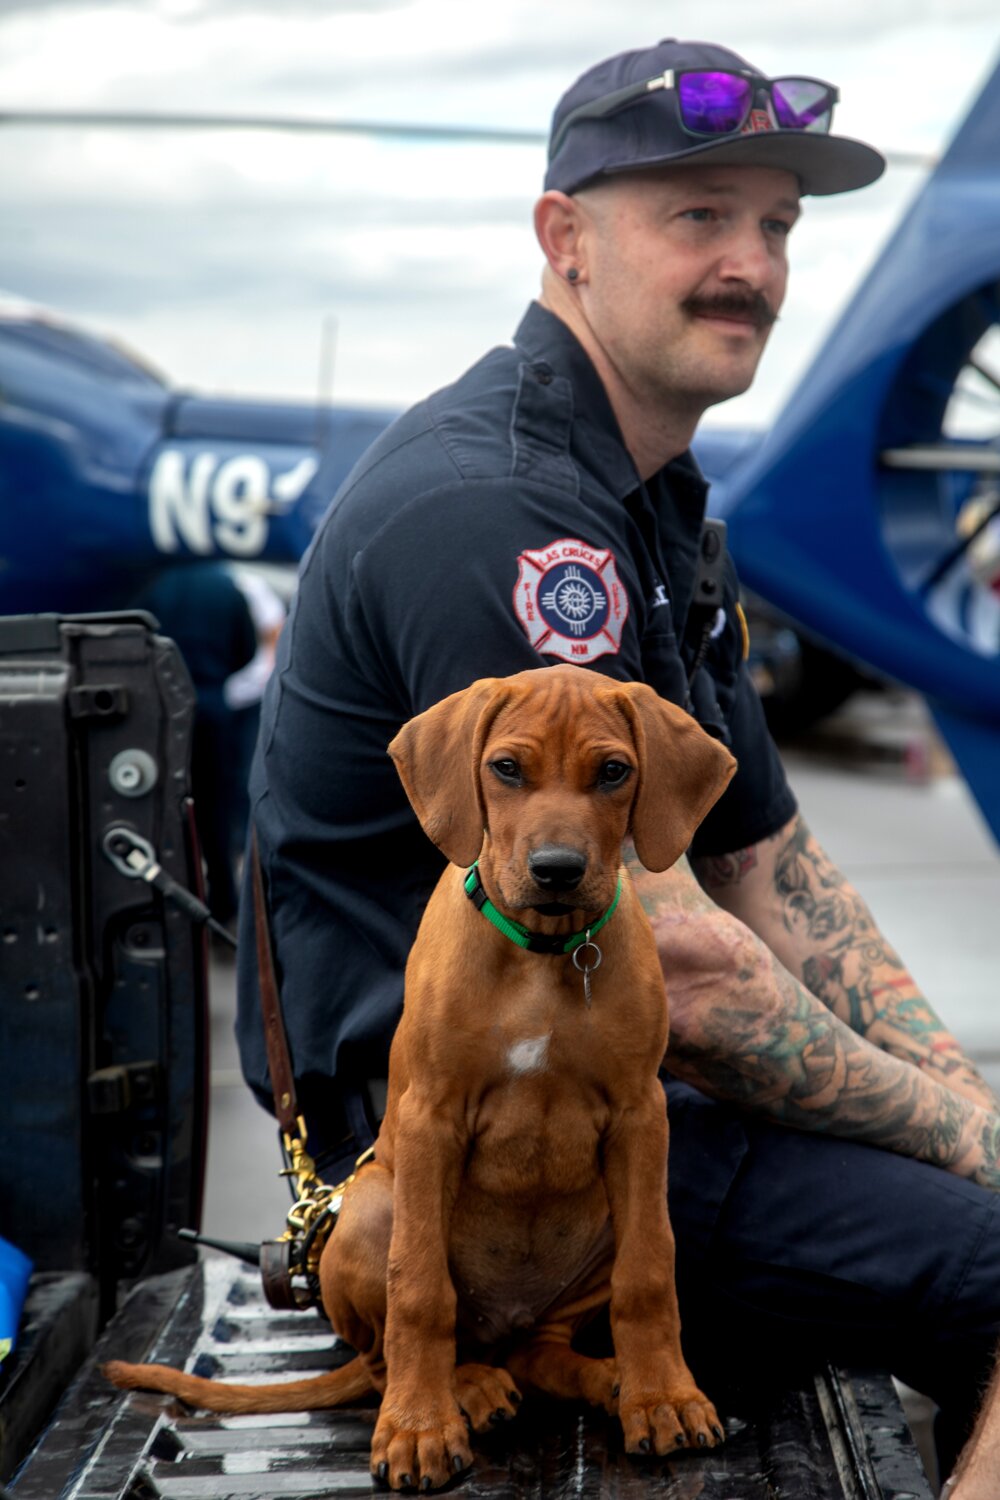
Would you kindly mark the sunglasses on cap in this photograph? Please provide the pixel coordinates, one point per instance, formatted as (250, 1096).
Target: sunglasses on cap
(720, 102)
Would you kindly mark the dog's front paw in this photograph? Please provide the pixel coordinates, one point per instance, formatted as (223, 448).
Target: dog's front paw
(419, 1445)
(486, 1394)
(662, 1423)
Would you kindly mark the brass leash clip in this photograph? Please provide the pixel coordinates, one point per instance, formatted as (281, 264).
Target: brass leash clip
(290, 1264)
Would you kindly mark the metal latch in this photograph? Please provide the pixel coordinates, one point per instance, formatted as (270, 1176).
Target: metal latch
(115, 1089)
(109, 700)
(135, 857)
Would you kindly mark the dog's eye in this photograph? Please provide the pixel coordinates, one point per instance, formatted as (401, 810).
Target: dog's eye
(613, 773)
(507, 770)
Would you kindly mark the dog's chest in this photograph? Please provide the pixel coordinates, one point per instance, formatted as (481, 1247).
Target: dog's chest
(507, 1272)
(536, 1124)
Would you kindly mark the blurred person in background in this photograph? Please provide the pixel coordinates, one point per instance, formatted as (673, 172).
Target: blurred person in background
(205, 612)
(244, 690)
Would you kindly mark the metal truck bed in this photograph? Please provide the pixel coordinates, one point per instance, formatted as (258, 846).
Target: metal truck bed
(836, 1435)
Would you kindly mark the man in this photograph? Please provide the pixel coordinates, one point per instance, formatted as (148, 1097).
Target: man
(545, 508)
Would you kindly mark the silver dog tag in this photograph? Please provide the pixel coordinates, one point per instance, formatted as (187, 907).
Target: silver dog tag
(589, 964)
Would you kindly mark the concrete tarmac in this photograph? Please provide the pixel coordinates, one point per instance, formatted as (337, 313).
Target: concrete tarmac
(878, 790)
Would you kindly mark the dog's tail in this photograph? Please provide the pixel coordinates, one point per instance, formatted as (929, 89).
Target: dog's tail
(347, 1383)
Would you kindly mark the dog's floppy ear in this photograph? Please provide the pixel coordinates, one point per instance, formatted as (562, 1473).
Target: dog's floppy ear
(437, 755)
(682, 773)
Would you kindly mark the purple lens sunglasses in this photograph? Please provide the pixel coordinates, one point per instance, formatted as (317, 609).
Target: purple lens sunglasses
(721, 102)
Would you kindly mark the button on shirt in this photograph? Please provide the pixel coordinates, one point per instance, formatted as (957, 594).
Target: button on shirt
(497, 526)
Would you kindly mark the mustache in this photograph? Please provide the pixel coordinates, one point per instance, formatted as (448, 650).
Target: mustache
(753, 307)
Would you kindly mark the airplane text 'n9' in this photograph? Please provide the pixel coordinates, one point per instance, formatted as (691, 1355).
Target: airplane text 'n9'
(207, 502)
(107, 474)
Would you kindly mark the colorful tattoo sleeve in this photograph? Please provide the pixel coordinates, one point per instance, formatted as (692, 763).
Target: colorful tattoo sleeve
(790, 892)
(745, 1030)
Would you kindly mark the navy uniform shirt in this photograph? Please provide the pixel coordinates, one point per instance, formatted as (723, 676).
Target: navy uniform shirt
(499, 525)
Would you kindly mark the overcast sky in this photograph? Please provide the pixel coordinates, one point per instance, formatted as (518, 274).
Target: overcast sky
(220, 256)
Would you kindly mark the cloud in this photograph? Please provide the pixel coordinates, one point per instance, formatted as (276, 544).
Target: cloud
(195, 12)
(220, 255)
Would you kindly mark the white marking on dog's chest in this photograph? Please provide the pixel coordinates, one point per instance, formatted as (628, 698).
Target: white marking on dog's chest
(529, 1055)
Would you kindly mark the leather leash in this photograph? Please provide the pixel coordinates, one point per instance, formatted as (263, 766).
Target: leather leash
(278, 1260)
(279, 1062)
(289, 1266)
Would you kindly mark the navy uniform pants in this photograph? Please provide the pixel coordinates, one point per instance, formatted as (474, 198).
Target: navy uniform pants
(792, 1246)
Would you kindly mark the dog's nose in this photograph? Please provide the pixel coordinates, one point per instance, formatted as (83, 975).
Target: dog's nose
(555, 867)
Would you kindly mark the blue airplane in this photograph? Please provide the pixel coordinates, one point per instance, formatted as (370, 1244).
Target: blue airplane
(869, 514)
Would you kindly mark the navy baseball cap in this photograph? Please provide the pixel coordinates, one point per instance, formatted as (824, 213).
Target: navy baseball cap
(682, 102)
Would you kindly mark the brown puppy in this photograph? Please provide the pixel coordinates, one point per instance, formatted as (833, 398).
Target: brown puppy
(520, 1175)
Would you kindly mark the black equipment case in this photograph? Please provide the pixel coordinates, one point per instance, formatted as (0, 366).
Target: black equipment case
(102, 981)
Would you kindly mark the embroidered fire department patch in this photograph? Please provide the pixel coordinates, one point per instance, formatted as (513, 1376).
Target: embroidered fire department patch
(570, 600)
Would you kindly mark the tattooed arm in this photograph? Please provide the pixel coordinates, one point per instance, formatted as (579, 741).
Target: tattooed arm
(792, 895)
(743, 1030)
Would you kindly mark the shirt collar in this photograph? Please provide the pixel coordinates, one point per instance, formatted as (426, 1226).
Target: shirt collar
(545, 338)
